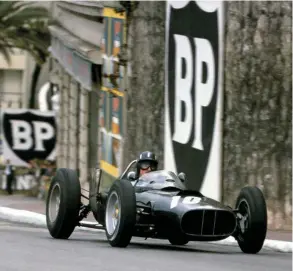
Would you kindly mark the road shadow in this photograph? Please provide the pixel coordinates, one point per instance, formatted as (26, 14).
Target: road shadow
(134, 245)
(191, 247)
(185, 248)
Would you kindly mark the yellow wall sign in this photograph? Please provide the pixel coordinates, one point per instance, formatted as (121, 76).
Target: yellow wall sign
(112, 93)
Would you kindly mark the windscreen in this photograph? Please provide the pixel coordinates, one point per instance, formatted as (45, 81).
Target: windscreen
(160, 179)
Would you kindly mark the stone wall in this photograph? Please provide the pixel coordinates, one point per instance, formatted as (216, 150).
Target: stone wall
(258, 102)
(145, 102)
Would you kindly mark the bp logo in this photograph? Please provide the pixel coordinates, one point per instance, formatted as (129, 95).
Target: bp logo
(193, 89)
(27, 135)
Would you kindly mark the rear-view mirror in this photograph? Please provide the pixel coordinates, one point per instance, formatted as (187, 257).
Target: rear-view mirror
(131, 176)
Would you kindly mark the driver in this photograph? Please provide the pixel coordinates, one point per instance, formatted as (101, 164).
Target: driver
(146, 162)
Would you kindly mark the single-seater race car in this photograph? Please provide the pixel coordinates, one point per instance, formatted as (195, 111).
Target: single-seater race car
(155, 205)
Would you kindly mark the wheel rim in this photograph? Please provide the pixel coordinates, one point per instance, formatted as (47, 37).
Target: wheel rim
(54, 202)
(243, 208)
(113, 213)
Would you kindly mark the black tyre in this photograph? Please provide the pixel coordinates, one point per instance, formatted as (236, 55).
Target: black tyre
(253, 225)
(120, 216)
(64, 195)
(96, 207)
(178, 240)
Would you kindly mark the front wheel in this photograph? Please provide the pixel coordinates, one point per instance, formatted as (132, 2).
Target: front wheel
(120, 216)
(178, 240)
(253, 219)
(63, 203)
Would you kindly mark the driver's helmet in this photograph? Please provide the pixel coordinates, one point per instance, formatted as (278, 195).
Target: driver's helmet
(146, 162)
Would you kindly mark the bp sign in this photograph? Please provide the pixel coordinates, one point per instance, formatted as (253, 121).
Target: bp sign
(193, 94)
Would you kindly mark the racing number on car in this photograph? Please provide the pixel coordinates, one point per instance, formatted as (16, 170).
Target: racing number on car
(186, 200)
(191, 200)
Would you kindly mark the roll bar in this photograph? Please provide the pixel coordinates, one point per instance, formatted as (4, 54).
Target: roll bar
(128, 167)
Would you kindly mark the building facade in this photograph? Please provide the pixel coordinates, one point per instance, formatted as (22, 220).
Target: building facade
(84, 49)
(14, 79)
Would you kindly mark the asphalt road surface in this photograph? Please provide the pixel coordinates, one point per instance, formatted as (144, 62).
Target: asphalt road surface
(32, 249)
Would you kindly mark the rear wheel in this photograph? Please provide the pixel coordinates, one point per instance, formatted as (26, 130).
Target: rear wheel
(120, 214)
(253, 219)
(63, 203)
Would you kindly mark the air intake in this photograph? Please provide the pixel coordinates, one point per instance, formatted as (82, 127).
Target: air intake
(208, 222)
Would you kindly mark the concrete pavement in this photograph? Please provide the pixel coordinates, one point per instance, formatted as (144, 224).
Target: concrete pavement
(32, 204)
(33, 249)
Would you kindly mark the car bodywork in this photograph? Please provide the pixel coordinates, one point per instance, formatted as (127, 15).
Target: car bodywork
(165, 203)
(154, 205)
(165, 207)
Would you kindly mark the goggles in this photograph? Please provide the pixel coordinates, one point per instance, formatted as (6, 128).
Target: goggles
(146, 165)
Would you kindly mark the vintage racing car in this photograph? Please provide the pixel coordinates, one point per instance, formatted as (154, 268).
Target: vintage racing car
(156, 205)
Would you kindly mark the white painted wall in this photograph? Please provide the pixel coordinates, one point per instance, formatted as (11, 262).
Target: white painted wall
(12, 80)
(15, 78)
(11, 88)
(18, 61)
